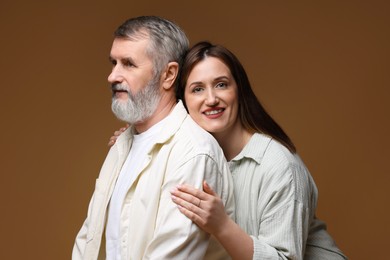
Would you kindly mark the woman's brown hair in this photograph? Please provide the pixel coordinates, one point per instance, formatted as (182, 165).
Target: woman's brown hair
(252, 114)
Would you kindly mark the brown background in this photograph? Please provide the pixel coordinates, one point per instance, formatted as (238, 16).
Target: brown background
(320, 67)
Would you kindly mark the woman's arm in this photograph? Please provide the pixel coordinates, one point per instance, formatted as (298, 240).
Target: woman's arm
(206, 210)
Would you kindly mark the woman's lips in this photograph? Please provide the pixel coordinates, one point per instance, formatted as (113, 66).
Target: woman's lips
(214, 113)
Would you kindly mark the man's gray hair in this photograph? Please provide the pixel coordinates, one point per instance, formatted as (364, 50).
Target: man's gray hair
(168, 42)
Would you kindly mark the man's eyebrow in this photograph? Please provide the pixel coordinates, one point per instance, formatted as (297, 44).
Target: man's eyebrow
(127, 59)
(123, 60)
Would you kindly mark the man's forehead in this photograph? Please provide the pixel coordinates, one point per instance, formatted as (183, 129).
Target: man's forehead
(131, 51)
(125, 45)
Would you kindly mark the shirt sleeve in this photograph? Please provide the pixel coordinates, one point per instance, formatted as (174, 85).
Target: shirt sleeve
(89, 228)
(80, 242)
(281, 236)
(176, 236)
(285, 218)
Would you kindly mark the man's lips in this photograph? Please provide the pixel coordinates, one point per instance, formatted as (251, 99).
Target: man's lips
(120, 94)
(118, 90)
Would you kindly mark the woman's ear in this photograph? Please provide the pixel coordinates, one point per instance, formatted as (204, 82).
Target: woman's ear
(170, 75)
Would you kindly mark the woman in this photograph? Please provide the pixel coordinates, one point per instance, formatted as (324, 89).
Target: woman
(275, 195)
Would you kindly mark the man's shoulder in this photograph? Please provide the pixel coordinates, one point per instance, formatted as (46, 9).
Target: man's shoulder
(196, 137)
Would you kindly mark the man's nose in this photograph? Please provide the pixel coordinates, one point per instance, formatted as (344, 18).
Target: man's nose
(115, 75)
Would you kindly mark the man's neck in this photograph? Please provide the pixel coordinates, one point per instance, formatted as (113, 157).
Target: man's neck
(163, 109)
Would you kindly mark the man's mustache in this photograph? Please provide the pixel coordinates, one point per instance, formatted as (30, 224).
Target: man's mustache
(119, 88)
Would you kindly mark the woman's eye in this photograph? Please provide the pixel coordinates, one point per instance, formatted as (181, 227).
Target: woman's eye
(197, 89)
(221, 85)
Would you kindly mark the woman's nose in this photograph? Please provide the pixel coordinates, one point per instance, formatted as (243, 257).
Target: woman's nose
(211, 99)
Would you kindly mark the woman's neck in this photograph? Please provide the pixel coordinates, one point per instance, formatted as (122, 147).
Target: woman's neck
(234, 141)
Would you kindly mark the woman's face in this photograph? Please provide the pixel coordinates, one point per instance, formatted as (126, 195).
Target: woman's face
(211, 96)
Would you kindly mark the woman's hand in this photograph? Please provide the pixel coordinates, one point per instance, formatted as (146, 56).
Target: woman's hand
(204, 208)
(116, 134)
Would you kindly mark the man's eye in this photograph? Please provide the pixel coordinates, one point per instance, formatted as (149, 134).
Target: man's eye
(128, 64)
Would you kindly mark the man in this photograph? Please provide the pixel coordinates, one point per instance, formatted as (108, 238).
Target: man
(131, 208)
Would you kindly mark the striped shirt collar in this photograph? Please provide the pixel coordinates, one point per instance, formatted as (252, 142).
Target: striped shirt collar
(255, 148)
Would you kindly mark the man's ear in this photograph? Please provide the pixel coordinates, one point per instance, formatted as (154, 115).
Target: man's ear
(170, 74)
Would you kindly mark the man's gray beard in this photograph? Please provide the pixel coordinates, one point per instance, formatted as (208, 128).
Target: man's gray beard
(138, 107)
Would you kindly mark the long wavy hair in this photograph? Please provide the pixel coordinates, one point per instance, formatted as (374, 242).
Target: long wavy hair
(251, 113)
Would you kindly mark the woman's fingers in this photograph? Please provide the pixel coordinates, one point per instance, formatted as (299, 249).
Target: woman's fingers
(208, 189)
(113, 138)
(186, 200)
(190, 207)
(190, 203)
(117, 133)
(192, 191)
(204, 209)
(191, 215)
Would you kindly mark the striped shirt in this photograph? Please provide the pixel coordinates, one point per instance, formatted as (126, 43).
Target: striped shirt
(276, 200)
